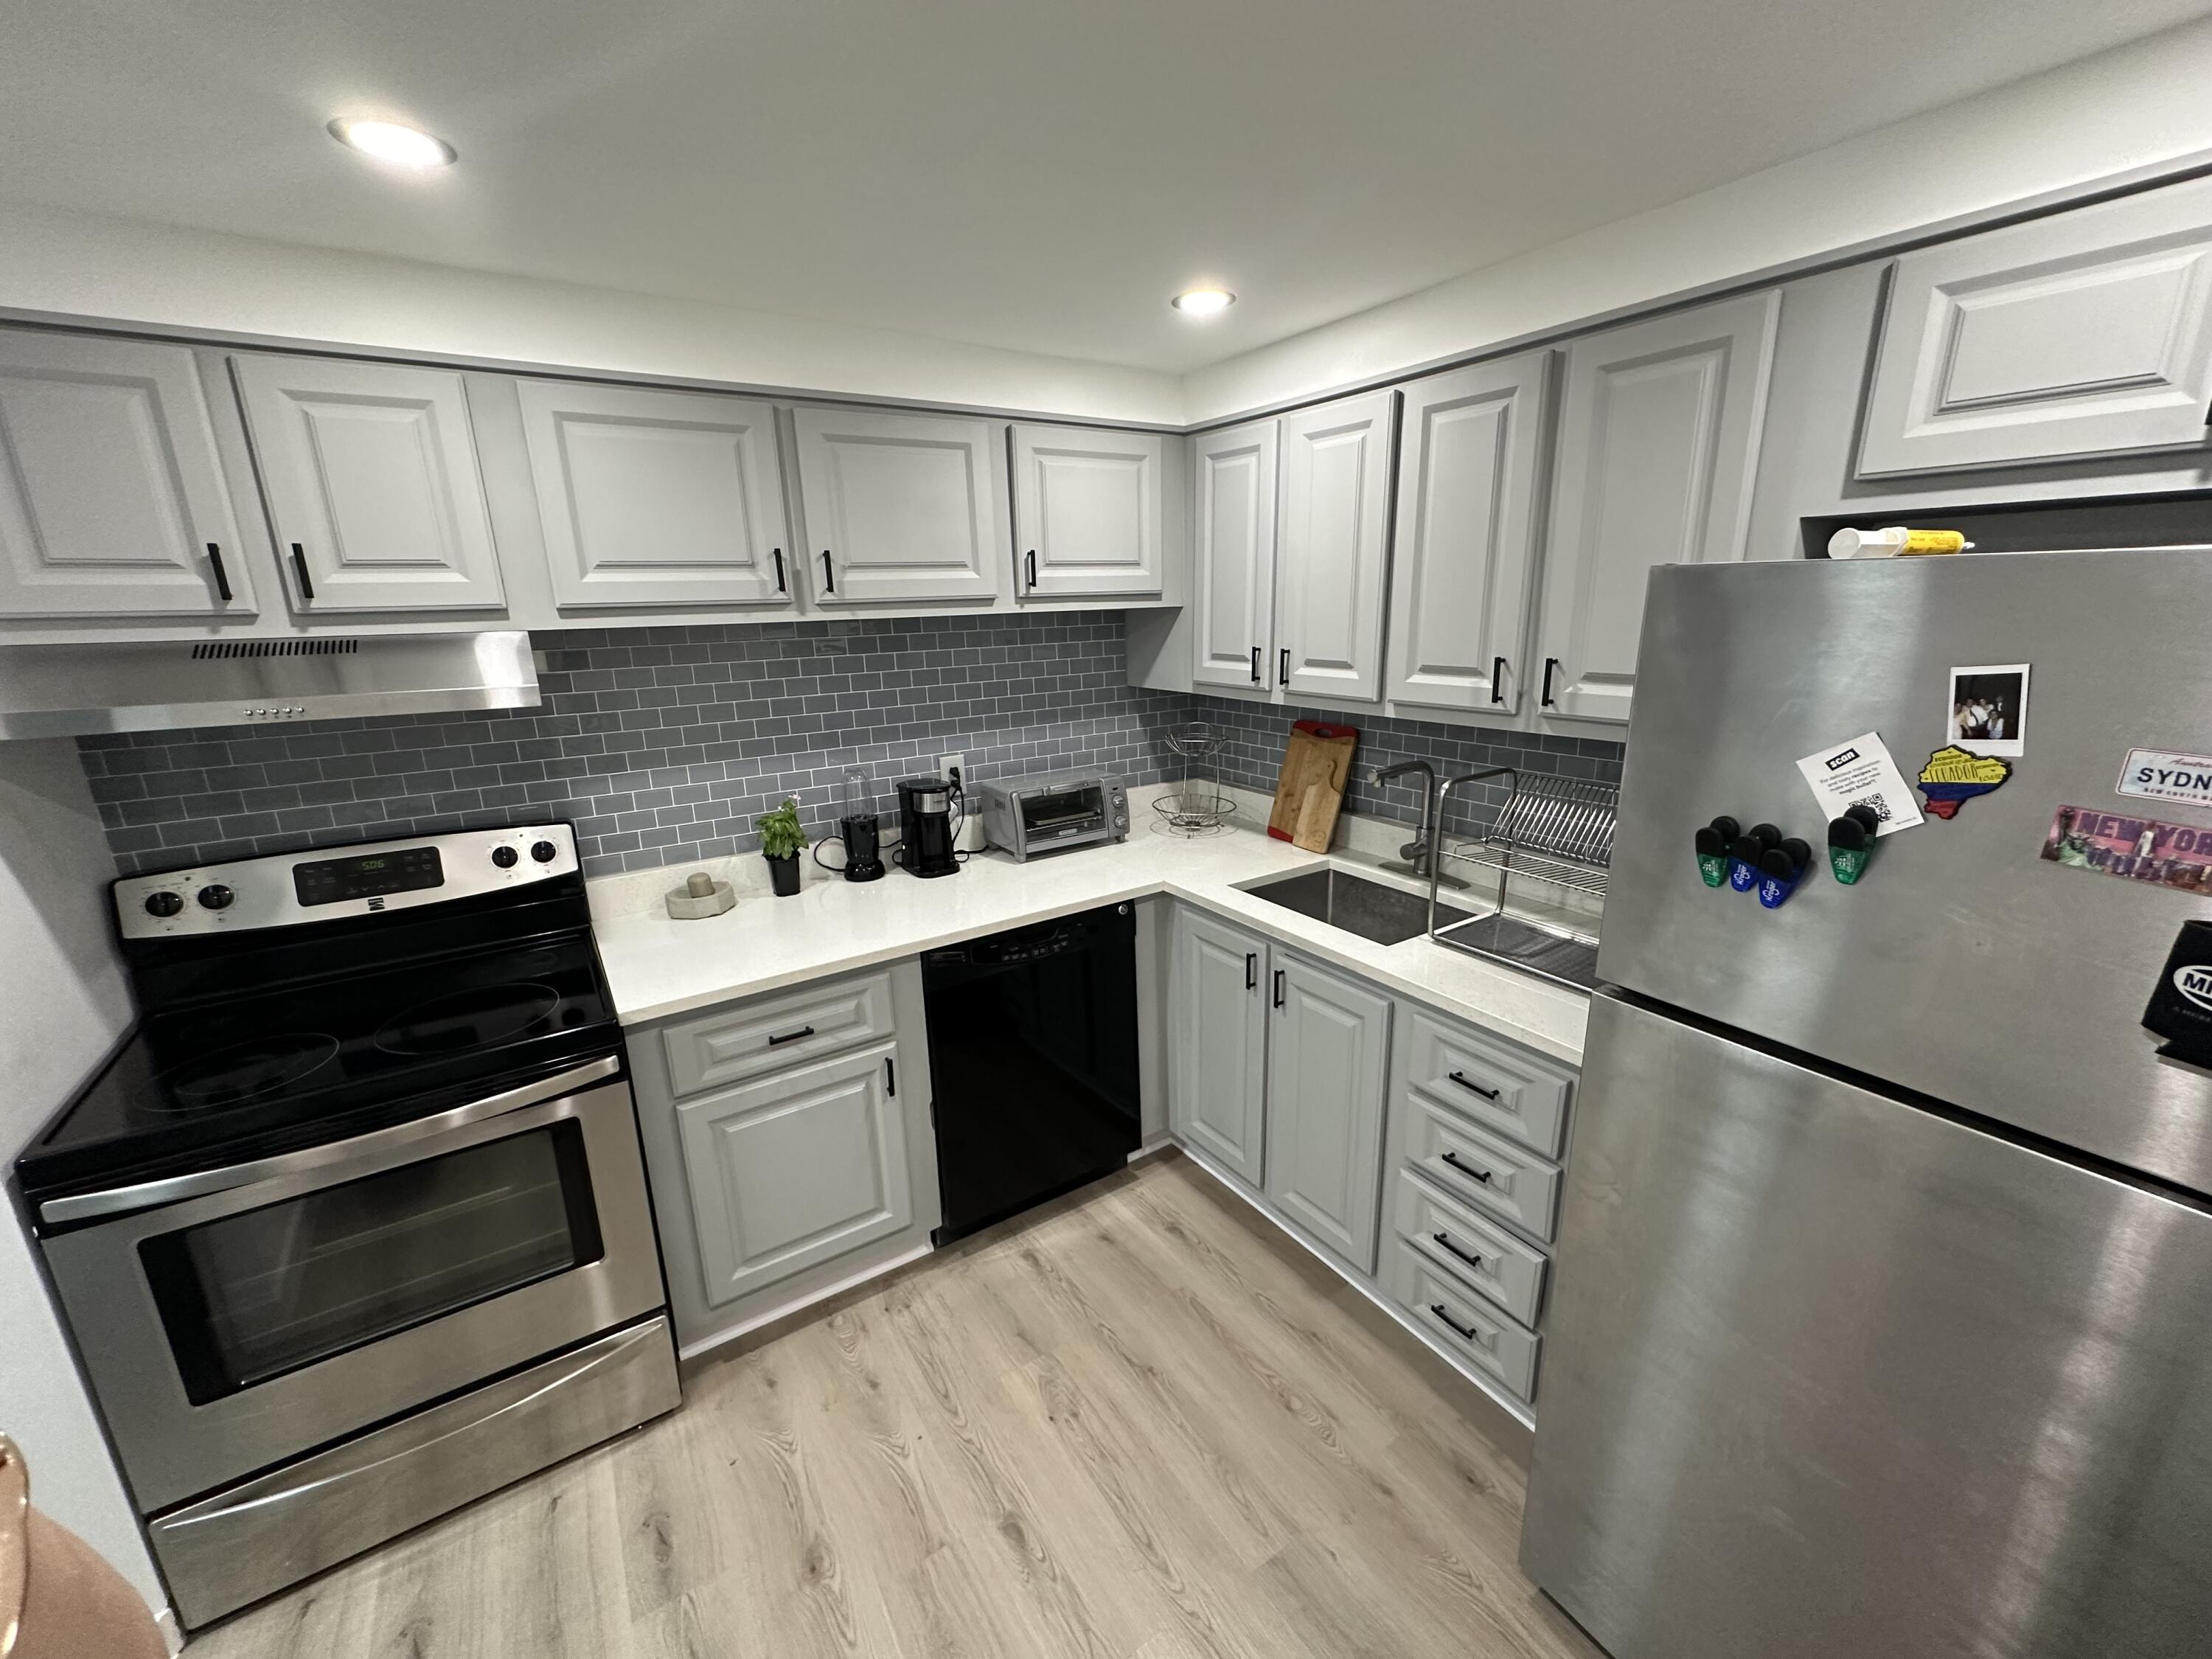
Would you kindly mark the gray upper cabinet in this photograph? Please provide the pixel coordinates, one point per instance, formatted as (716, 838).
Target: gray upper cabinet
(112, 501)
(899, 507)
(1087, 512)
(1328, 1063)
(1333, 543)
(1468, 513)
(1659, 428)
(657, 498)
(1218, 989)
(2084, 333)
(373, 483)
(1233, 555)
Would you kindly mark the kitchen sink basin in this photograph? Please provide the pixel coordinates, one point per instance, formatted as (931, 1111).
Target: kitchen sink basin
(1369, 908)
(1540, 951)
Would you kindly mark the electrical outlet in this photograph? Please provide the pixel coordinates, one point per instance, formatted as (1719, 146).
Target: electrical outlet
(953, 768)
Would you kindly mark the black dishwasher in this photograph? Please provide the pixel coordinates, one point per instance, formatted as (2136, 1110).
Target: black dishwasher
(1033, 1063)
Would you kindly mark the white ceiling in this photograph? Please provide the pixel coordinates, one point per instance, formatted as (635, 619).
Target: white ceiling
(1036, 174)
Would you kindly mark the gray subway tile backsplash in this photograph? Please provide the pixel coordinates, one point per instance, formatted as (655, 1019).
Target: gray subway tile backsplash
(662, 744)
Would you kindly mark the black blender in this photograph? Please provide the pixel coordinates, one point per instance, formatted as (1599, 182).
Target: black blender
(858, 829)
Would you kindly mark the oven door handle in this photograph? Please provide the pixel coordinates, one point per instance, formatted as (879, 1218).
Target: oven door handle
(150, 1194)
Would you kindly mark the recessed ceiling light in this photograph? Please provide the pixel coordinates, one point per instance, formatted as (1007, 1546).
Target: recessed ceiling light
(387, 141)
(1204, 302)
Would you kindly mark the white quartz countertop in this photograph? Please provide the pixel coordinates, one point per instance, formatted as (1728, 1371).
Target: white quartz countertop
(658, 966)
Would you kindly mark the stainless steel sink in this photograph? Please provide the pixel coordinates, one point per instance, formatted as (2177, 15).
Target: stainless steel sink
(1543, 951)
(1385, 915)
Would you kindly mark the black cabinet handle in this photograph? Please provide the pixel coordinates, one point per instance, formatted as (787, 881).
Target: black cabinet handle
(792, 1036)
(1032, 567)
(1459, 1331)
(1251, 969)
(890, 1078)
(222, 576)
(829, 576)
(1550, 662)
(1255, 664)
(1467, 1083)
(1282, 667)
(1279, 987)
(777, 555)
(1497, 679)
(299, 570)
(1444, 1244)
(1483, 1176)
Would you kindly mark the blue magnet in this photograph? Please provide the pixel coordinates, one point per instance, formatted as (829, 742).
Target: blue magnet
(1779, 870)
(1744, 856)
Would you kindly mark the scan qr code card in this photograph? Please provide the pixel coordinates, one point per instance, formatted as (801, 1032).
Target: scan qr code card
(1861, 773)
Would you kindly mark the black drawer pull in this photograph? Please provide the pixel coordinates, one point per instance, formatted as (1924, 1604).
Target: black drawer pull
(222, 577)
(828, 576)
(1459, 1331)
(1467, 1083)
(1033, 567)
(1282, 667)
(1251, 969)
(1550, 664)
(1279, 987)
(777, 555)
(300, 569)
(1482, 1175)
(1443, 1243)
(890, 1078)
(1255, 664)
(1497, 679)
(792, 1036)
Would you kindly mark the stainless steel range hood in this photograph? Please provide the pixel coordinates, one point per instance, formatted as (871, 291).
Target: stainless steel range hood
(67, 690)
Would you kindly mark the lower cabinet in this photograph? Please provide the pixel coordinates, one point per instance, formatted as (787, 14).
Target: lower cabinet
(1219, 1047)
(1328, 1053)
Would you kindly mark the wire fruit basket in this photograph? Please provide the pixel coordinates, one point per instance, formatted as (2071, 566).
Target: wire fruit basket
(1198, 806)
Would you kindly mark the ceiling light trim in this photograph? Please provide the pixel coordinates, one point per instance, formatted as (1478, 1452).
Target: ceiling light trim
(392, 142)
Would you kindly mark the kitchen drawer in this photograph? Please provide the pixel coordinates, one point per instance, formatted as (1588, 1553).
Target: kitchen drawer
(1504, 1089)
(1466, 1324)
(1508, 1270)
(771, 1033)
(1497, 1177)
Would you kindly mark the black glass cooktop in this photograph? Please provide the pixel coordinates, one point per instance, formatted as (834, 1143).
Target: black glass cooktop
(362, 1026)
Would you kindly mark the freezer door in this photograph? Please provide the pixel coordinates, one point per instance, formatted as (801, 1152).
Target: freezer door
(1827, 1375)
(1962, 965)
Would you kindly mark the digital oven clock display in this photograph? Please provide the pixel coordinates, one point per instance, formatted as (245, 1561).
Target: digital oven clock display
(334, 880)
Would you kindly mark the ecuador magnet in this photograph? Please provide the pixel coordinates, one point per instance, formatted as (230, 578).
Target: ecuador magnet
(1954, 777)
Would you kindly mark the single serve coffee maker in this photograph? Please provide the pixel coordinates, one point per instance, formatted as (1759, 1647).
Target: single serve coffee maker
(927, 826)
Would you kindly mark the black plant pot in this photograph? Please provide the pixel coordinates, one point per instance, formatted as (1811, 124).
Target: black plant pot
(784, 872)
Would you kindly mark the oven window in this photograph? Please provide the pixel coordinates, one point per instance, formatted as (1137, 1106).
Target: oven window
(1063, 811)
(252, 1296)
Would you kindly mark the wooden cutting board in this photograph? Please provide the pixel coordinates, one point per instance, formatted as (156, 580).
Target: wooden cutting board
(1319, 753)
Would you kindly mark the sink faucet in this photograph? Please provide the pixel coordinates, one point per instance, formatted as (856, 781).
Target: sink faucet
(1420, 854)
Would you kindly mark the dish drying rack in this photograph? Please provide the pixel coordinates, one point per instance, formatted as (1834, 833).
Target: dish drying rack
(1553, 829)
(1197, 806)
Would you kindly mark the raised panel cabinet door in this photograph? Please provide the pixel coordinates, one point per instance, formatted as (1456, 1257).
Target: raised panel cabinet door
(373, 483)
(1233, 555)
(1471, 450)
(1219, 995)
(899, 507)
(794, 1169)
(2083, 333)
(651, 498)
(112, 500)
(1328, 1048)
(1335, 540)
(1659, 427)
(1087, 509)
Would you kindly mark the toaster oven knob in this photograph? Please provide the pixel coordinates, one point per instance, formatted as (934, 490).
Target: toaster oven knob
(215, 896)
(164, 903)
(505, 857)
(544, 851)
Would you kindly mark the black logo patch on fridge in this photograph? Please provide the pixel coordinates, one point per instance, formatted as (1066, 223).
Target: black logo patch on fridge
(2181, 1007)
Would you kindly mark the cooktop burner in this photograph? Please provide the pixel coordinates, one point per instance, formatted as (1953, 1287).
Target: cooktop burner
(244, 1071)
(461, 1020)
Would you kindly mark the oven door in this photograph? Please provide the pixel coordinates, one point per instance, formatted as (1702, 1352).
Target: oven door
(1073, 815)
(235, 1329)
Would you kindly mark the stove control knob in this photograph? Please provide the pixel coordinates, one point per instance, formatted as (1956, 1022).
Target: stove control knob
(164, 903)
(216, 897)
(544, 851)
(505, 857)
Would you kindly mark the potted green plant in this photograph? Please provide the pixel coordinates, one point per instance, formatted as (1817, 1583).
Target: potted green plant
(782, 841)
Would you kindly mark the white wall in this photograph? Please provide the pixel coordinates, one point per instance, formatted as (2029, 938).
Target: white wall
(62, 1007)
(2132, 107)
(83, 265)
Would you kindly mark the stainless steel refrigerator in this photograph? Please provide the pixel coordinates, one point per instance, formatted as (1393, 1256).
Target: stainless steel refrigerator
(1882, 1322)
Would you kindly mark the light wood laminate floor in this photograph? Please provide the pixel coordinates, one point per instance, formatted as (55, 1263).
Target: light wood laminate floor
(1139, 1425)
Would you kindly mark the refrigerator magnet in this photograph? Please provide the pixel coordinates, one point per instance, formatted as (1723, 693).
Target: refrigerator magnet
(1988, 713)
(2157, 775)
(2180, 1008)
(1953, 777)
(1861, 773)
(2177, 856)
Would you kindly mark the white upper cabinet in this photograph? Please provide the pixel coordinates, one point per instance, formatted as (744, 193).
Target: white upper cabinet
(373, 483)
(1468, 512)
(657, 498)
(1087, 512)
(1335, 541)
(112, 501)
(1233, 555)
(899, 507)
(2084, 333)
(1659, 427)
